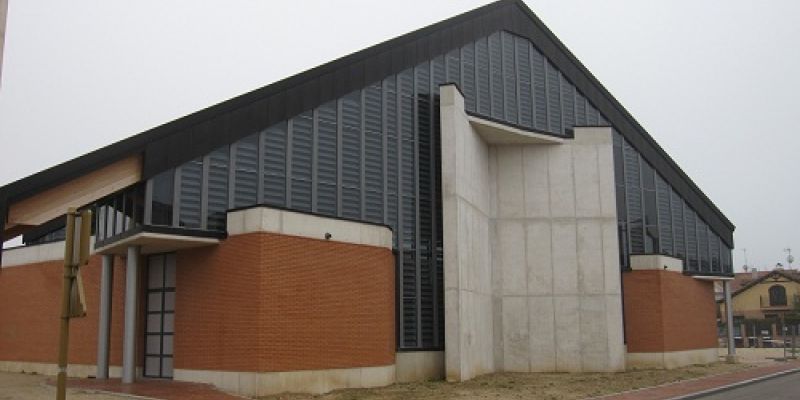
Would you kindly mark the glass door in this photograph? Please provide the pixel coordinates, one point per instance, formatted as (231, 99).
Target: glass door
(160, 324)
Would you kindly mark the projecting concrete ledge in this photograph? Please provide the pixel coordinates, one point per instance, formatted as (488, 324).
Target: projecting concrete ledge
(642, 262)
(152, 243)
(496, 133)
(293, 223)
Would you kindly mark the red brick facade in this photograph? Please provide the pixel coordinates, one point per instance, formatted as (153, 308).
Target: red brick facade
(30, 309)
(255, 302)
(268, 302)
(668, 311)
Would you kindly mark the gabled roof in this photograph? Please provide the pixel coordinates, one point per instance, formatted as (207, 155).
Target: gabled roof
(744, 281)
(181, 140)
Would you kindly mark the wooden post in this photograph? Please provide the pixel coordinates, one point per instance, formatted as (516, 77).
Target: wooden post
(63, 338)
(76, 254)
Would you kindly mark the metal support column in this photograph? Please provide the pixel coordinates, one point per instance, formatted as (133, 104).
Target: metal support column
(726, 287)
(104, 320)
(129, 335)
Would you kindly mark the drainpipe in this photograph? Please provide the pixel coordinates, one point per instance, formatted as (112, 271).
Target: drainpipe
(726, 287)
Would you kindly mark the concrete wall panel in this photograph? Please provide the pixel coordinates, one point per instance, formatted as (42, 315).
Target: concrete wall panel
(539, 263)
(541, 322)
(565, 257)
(533, 276)
(537, 183)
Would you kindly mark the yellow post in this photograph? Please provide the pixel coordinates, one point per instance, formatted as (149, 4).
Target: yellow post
(76, 254)
(63, 340)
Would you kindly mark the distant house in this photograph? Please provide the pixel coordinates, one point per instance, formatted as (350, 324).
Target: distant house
(767, 296)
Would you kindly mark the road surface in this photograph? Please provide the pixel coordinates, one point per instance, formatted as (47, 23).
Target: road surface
(784, 387)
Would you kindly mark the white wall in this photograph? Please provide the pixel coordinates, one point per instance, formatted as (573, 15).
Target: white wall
(532, 278)
(467, 260)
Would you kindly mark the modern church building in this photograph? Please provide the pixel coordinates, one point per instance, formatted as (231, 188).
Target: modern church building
(460, 200)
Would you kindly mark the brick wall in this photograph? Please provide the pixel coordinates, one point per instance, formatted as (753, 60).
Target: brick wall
(30, 309)
(270, 302)
(668, 311)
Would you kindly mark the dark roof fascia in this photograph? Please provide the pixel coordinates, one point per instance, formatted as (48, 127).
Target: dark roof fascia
(185, 138)
(760, 279)
(569, 65)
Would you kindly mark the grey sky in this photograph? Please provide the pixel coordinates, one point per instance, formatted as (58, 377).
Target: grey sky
(715, 82)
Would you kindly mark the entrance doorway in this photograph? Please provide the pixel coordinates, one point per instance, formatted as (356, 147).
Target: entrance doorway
(160, 325)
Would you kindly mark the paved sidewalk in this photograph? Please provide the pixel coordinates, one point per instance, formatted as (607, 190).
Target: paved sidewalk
(684, 388)
(153, 389)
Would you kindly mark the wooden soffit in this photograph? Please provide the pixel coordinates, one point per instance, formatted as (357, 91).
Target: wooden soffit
(54, 202)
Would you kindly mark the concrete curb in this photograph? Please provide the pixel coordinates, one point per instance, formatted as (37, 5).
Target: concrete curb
(46, 384)
(731, 386)
(117, 394)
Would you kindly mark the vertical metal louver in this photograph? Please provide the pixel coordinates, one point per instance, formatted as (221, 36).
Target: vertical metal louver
(651, 236)
(218, 161)
(663, 194)
(351, 155)
(727, 265)
(245, 186)
(191, 191)
(468, 76)
(592, 115)
(580, 109)
(496, 83)
(553, 98)
(702, 244)
(622, 212)
(453, 65)
(509, 79)
(425, 179)
(714, 248)
(327, 160)
(302, 146)
(437, 277)
(484, 95)
(568, 103)
(524, 83)
(633, 194)
(678, 226)
(392, 133)
(539, 66)
(408, 208)
(409, 300)
(691, 239)
(274, 141)
(373, 153)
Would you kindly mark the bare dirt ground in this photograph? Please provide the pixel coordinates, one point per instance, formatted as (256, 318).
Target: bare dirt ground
(758, 356)
(512, 386)
(33, 387)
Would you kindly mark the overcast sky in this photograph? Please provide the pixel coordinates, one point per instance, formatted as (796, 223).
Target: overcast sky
(715, 82)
